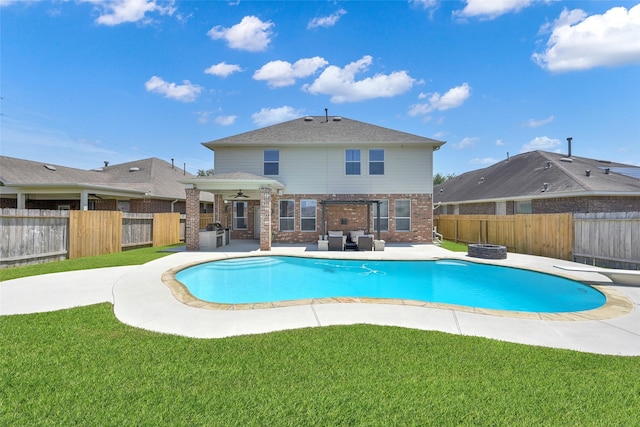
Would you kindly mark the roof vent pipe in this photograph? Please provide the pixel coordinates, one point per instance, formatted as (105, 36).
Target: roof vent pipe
(326, 113)
(106, 163)
(569, 143)
(607, 170)
(587, 172)
(172, 165)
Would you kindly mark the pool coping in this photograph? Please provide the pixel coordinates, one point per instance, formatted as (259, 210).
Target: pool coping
(617, 304)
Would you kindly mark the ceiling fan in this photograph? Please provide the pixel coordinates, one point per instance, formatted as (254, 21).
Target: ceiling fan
(240, 195)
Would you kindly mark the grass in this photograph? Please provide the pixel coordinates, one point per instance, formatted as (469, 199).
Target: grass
(83, 367)
(130, 257)
(453, 246)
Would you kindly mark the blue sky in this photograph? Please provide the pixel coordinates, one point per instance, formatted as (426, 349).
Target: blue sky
(84, 81)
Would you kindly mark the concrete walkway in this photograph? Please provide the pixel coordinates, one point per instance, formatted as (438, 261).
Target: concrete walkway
(143, 300)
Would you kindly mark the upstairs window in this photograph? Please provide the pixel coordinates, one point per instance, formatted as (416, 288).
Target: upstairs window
(352, 157)
(376, 162)
(287, 215)
(271, 162)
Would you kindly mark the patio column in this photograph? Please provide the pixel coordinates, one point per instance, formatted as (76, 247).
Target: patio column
(265, 219)
(192, 225)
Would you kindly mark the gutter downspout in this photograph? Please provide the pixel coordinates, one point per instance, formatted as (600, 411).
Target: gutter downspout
(173, 203)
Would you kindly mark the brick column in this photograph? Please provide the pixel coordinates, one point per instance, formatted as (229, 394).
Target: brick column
(192, 226)
(265, 219)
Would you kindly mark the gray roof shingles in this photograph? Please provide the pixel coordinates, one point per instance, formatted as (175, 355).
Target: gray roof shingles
(524, 175)
(319, 130)
(153, 176)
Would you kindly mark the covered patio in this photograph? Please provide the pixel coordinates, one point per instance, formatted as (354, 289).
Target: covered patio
(228, 188)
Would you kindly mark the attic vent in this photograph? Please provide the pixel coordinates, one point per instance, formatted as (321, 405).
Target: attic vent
(547, 166)
(308, 119)
(134, 169)
(337, 119)
(51, 168)
(98, 169)
(566, 159)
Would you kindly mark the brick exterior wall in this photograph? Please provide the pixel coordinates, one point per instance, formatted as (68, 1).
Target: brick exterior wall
(192, 224)
(591, 204)
(156, 206)
(265, 219)
(355, 216)
(478, 209)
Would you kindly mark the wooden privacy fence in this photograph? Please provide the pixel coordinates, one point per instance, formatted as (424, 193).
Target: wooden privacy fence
(608, 239)
(548, 235)
(31, 235)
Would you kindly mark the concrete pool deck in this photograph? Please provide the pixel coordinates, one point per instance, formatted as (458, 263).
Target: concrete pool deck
(142, 299)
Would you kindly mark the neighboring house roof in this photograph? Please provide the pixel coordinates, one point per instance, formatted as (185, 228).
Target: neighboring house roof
(524, 177)
(322, 130)
(150, 177)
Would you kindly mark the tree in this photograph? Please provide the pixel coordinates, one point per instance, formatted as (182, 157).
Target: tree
(208, 172)
(440, 178)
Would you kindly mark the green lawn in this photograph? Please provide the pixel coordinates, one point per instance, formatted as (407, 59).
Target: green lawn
(83, 367)
(453, 246)
(131, 257)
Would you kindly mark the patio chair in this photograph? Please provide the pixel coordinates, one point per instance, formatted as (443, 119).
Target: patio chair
(365, 243)
(336, 243)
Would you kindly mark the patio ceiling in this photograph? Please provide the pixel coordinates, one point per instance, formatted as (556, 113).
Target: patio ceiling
(229, 185)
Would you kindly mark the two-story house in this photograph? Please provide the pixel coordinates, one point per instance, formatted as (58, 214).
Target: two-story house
(295, 181)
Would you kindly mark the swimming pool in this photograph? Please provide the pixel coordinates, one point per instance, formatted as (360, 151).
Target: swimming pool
(283, 278)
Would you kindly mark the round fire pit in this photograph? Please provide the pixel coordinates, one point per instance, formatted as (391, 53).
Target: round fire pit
(487, 251)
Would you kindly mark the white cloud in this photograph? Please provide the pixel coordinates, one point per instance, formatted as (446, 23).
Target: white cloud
(250, 34)
(454, 98)
(484, 161)
(283, 73)
(543, 143)
(326, 21)
(186, 92)
(499, 142)
(225, 120)
(203, 116)
(425, 4)
(223, 69)
(115, 12)
(341, 84)
(466, 142)
(537, 123)
(491, 9)
(269, 116)
(578, 42)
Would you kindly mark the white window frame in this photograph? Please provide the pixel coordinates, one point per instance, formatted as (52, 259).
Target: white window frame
(372, 162)
(282, 218)
(402, 217)
(348, 161)
(304, 218)
(524, 207)
(245, 217)
(270, 162)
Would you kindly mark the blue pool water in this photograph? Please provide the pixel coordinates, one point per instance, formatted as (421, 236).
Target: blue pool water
(282, 278)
